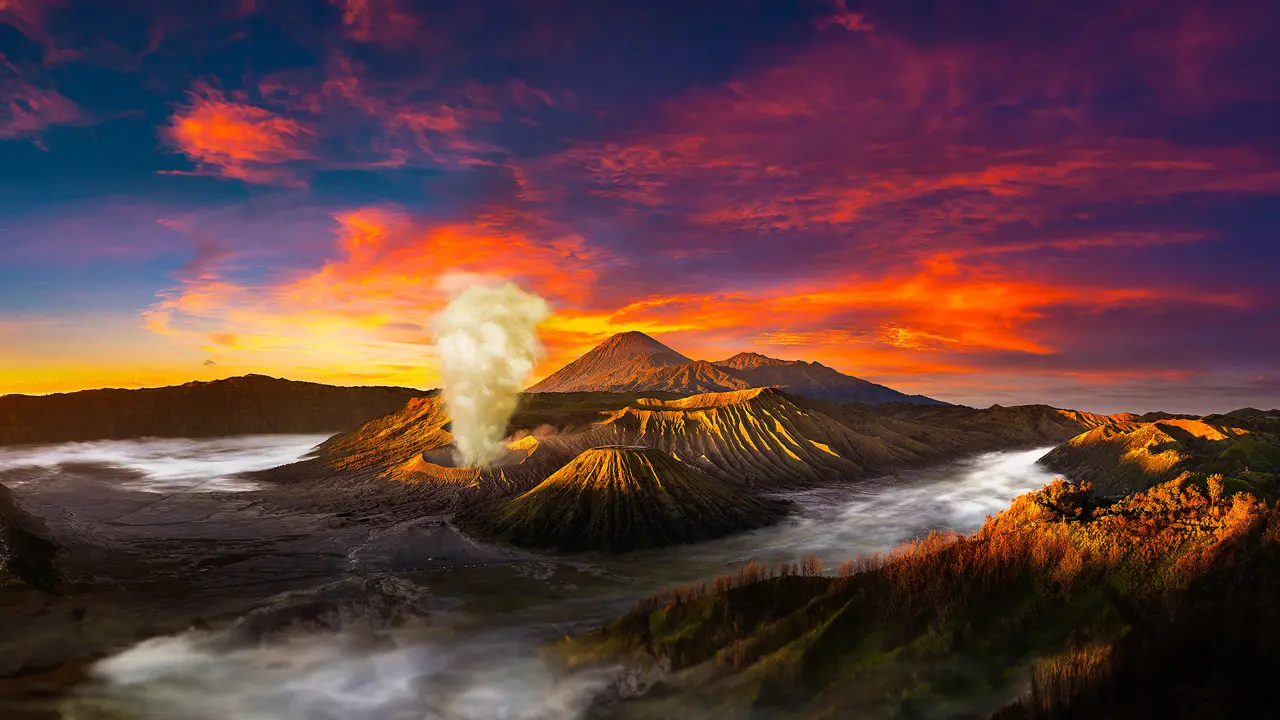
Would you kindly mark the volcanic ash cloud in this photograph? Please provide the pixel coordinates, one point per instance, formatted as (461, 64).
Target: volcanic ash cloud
(487, 340)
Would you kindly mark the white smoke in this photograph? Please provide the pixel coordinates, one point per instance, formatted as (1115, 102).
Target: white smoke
(487, 340)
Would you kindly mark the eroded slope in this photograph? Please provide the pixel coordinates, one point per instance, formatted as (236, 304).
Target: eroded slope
(1134, 456)
(622, 498)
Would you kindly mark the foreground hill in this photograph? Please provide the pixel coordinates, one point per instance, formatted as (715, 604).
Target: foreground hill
(235, 406)
(1157, 605)
(635, 362)
(1132, 456)
(623, 498)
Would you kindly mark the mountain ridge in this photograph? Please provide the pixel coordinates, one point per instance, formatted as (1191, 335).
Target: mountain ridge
(246, 404)
(635, 362)
(1133, 456)
(620, 498)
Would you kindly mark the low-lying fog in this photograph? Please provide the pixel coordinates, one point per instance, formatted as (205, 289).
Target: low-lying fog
(478, 657)
(171, 464)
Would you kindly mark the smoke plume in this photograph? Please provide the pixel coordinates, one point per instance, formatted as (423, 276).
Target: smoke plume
(487, 340)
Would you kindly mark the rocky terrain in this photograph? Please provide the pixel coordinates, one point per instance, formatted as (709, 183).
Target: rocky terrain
(620, 498)
(1133, 455)
(747, 444)
(27, 553)
(236, 406)
(761, 438)
(635, 362)
(1064, 605)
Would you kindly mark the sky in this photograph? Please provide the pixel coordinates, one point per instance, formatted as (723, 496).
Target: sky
(1074, 203)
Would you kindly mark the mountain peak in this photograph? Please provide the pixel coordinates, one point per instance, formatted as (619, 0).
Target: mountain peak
(744, 360)
(622, 498)
(634, 341)
(612, 364)
(635, 362)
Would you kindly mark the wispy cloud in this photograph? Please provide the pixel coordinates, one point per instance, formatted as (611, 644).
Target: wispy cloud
(845, 18)
(228, 136)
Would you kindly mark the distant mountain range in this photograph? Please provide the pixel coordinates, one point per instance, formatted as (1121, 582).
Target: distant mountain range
(244, 405)
(635, 362)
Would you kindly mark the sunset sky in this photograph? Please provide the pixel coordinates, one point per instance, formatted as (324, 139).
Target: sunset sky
(1075, 203)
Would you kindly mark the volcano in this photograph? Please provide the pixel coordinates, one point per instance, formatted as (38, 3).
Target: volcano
(620, 498)
(635, 362)
(618, 362)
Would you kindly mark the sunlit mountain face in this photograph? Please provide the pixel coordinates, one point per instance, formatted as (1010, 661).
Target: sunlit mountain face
(1071, 203)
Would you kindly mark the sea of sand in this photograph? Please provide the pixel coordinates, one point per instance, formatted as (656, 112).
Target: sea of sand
(168, 550)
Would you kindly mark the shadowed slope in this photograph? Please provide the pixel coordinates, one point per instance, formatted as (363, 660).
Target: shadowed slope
(814, 380)
(1015, 424)
(759, 435)
(622, 498)
(27, 554)
(235, 406)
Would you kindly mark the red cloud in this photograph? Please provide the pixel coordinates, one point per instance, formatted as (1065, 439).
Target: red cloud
(232, 138)
(31, 18)
(381, 124)
(369, 303)
(380, 21)
(846, 18)
(28, 110)
(858, 132)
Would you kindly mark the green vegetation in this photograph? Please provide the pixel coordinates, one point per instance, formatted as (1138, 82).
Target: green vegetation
(1123, 458)
(1063, 588)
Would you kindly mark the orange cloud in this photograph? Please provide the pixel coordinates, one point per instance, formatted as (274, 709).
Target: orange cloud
(228, 136)
(369, 306)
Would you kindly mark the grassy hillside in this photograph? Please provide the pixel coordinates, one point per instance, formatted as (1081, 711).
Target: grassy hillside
(948, 625)
(1121, 458)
